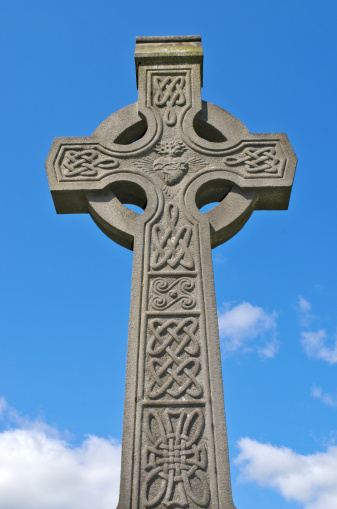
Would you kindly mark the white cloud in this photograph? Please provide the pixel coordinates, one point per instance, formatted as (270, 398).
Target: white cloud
(310, 480)
(3, 407)
(247, 328)
(315, 345)
(303, 304)
(327, 399)
(219, 258)
(304, 308)
(40, 470)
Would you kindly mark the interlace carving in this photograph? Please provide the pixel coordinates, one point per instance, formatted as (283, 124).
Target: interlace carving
(167, 293)
(171, 244)
(169, 91)
(175, 459)
(173, 351)
(86, 163)
(255, 160)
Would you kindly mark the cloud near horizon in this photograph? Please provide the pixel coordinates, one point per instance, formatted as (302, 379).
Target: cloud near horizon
(41, 470)
(247, 328)
(310, 480)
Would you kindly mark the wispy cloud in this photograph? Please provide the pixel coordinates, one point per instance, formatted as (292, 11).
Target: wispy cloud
(315, 345)
(304, 307)
(3, 407)
(327, 399)
(309, 480)
(247, 328)
(219, 258)
(41, 470)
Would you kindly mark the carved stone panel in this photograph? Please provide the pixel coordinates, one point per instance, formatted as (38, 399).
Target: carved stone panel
(168, 91)
(169, 94)
(174, 459)
(172, 244)
(172, 293)
(256, 160)
(78, 163)
(173, 361)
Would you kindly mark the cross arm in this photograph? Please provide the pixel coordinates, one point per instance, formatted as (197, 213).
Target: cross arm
(86, 177)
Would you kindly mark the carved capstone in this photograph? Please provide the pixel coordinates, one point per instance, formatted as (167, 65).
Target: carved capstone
(171, 153)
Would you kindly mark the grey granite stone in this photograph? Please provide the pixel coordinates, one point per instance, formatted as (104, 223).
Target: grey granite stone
(170, 153)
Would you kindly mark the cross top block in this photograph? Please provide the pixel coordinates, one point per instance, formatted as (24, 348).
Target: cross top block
(174, 142)
(169, 49)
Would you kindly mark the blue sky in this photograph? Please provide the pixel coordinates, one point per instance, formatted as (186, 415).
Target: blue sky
(65, 287)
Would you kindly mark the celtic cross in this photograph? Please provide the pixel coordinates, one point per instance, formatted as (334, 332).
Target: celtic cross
(171, 153)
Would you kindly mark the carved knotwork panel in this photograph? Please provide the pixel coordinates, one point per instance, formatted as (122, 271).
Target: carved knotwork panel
(173, 364)
(174, 459)
(169, 93)
(171, 243)
(256, 160)
(84, 163)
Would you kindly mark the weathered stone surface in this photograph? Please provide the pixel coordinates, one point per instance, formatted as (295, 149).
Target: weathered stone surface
(170, 153)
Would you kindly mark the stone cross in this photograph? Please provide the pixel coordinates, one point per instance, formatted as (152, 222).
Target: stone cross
(171, 153)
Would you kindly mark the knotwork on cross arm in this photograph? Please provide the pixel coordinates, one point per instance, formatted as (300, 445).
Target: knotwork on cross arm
(86, 163)
(255, 160)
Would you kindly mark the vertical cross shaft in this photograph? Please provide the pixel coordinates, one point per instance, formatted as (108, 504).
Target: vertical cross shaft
(171, 153)
(174, 442)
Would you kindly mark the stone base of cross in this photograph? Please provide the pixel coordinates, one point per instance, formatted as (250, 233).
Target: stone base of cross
(171, 153)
